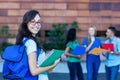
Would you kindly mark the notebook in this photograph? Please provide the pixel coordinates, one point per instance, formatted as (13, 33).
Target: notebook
(79, 50)
(52, 57)
(96, 51)
(108, 46)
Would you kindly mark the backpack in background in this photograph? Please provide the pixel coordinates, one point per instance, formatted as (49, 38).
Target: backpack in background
(16, 63)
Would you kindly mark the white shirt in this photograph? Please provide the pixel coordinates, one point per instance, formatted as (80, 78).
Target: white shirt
(31, 46)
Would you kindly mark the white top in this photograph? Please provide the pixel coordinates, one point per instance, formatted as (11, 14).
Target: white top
(31, 46)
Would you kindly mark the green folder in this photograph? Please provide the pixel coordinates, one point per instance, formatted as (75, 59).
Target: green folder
(54, 55)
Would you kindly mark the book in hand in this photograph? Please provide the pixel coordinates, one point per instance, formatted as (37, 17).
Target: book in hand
(79, 50)
(96, 51)
(108, 46)
(52, 57)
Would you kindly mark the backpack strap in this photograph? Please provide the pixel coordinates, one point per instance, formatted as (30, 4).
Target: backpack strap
(25, 40)
(38, 50)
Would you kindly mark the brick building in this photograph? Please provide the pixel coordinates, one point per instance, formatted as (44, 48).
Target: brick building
(100, 13)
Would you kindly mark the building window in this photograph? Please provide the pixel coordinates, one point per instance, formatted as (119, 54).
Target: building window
(106, 6)
(94, 6)
(116, 7)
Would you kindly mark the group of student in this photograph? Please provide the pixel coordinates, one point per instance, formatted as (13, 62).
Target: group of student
(31, 25)
(91, 42)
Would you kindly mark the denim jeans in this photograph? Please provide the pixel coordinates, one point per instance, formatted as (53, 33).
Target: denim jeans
(93, 64)
(112, 72)
(75, 69)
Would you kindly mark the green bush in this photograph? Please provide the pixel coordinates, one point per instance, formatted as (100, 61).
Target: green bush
(57, 36)
(4, 31)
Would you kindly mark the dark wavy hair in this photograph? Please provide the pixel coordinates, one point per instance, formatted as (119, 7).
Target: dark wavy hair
(71, 36)
(23, 29)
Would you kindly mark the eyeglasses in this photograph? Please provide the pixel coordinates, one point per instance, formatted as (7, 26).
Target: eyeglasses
(34, 23)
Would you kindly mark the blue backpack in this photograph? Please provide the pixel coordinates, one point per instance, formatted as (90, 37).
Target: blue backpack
(16, 63)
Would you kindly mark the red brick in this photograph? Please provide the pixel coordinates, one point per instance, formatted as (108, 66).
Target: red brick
(48, 13)
(95, 13)
(104, 27)
(49, 6)
(106, 21)
(99, 26)
(58, 19)
(13, 32)
(115, 20)
(8, 0)
(84, 1)
(76, 6)
(83, 27)
(83, 13)
(106, 13)
(22, 12)
(82, 34)
(99, 20)
(116, 14)
(13, 26)
(12, 20)
(16, 12)
(3, 19)
(20, 19)
(65, 0)
(117, 26)
(115, 1)
(59, 13)
(96, 20)
(83, 20)
(9, 20)
(67, 13)
(46, 26)
(9, 5)
(26, 5)
(13, 12)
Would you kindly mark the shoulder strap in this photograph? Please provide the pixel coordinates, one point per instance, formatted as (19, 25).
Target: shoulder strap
(38, 50)
(24, 41)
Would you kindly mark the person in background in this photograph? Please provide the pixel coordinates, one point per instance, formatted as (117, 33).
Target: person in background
(112, 61)
(30, 26)
(92, 61)
(73, 61)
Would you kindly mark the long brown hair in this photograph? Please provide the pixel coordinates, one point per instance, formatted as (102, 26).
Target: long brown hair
(23, 29)
(89, 39)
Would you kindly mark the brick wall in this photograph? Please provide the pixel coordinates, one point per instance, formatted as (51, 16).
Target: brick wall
(101, 13)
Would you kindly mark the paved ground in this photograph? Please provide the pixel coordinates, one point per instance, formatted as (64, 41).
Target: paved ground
(65, 76)
(61, 72)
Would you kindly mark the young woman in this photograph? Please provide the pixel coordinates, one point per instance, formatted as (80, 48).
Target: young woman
(30, 26)
(93, 61)
(73, 61)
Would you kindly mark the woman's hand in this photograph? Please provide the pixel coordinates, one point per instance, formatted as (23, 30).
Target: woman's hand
(55, 63)
(50, 70)
(106, 51)
(78, 56)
